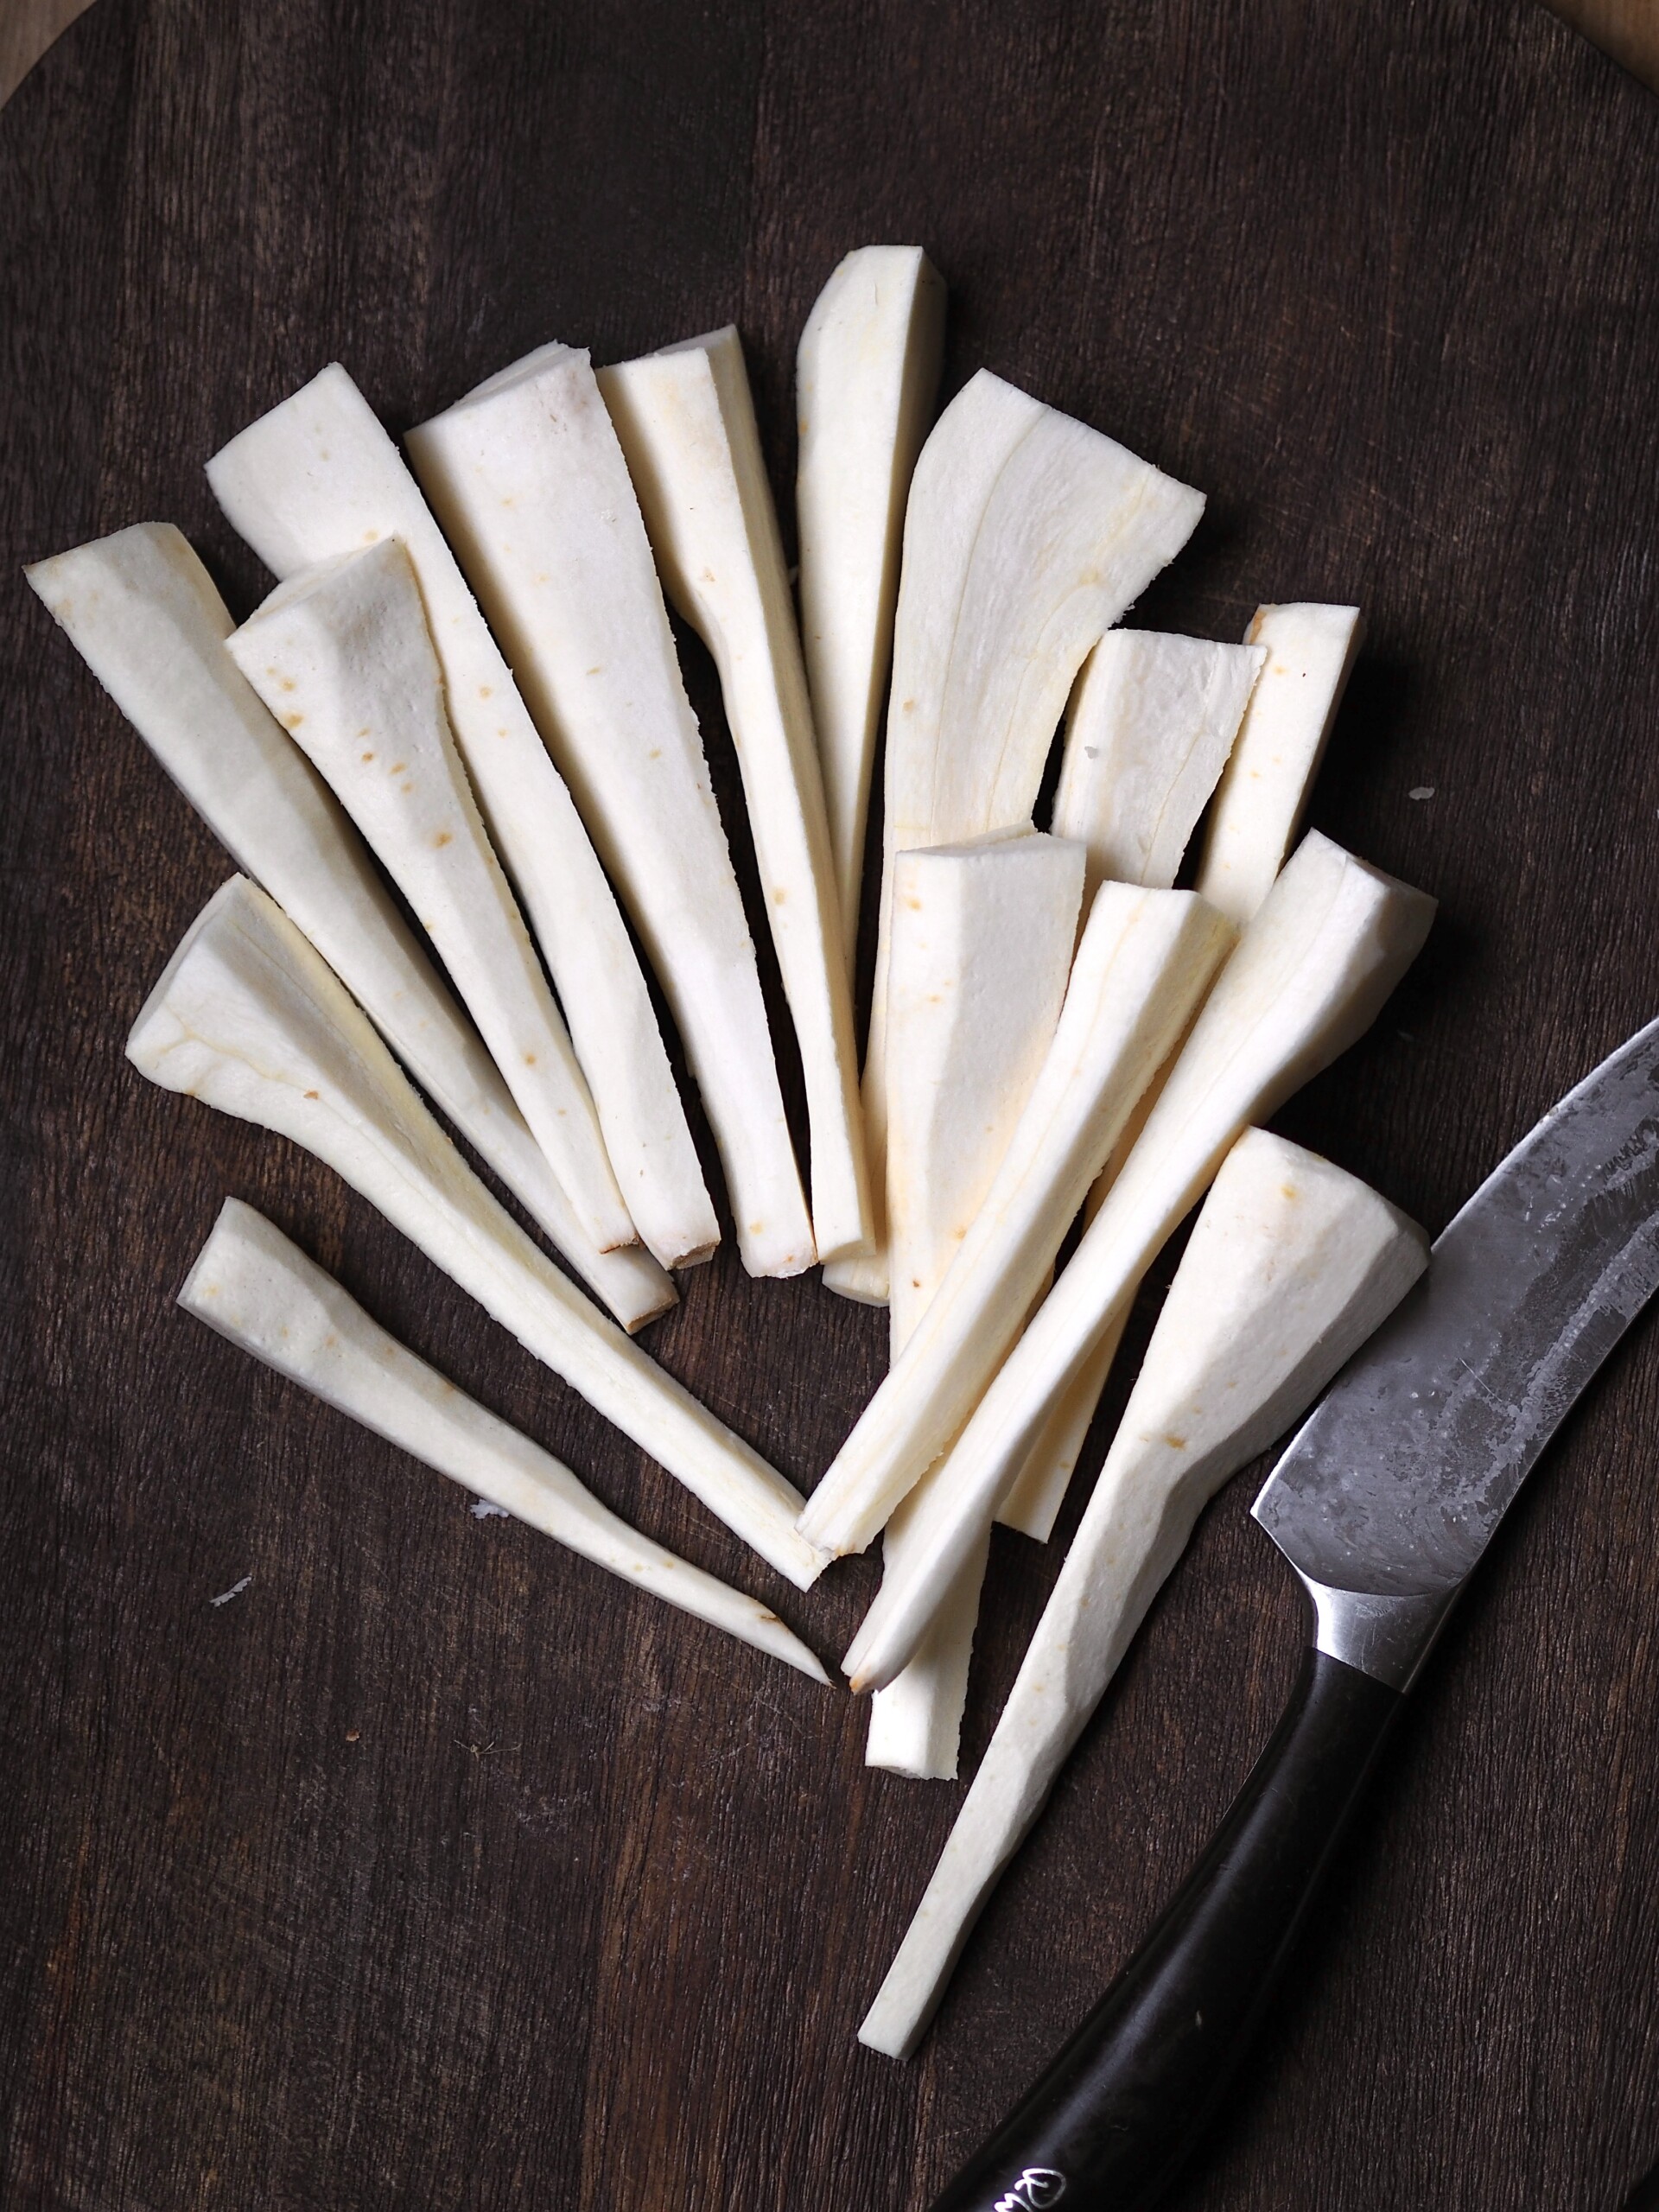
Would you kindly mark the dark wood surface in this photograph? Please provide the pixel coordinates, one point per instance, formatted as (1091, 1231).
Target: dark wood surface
(437, 1869)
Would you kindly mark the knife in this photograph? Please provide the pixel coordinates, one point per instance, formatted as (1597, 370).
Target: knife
(1383, 1504)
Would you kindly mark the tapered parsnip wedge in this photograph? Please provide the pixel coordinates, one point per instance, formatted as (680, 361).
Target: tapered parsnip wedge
(529, 481)
(318, 477)
(865, 376)
(340, 655)
(143, 611)
(248, 1018)
(1264, 789)
(254, 1287)
(1291, 1266)
(1026, 538)
(686, 420)
(1146, 960)
(982, 935)
(1329, 944)
(1151, 723)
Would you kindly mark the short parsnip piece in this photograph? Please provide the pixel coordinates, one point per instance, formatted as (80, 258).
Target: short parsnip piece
(866, 375)
(255, 1287)
(983, 936)
(248, 1018)
(1281, 742)
(318, 477)
(686, 420)
(1146, 960)
(1151, 723)
(1291, 1266)
(341, 656)
(1027, 535)
(143, 612)
(1329, 944)
(529, 481)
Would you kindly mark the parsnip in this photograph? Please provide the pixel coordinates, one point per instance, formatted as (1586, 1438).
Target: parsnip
(1150, 726)
(1330, 942)
(143, 612)
(255, 1287)
(248, 1018)
(1281, 742)
(686, 422)
(318, 477)
(1291, 1266)
(341, 657)
(529, 481)
(983, 936)
(1026, 538)
(866, 375)
(1146, 959)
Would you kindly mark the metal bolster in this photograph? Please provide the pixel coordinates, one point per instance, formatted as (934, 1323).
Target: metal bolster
(1387, 1637)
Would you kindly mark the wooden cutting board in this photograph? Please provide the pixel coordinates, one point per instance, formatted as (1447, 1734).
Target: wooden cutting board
(436, 1869)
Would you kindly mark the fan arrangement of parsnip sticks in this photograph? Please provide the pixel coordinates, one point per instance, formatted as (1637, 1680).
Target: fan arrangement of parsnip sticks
(466, 681)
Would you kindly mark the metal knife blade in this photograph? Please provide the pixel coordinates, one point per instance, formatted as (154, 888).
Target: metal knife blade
(1392, 1489)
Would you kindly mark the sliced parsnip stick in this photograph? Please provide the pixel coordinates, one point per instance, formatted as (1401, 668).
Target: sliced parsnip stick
(983, 936)
(248, 1018)
(1328, 945)
(529, 481)
(1281, 743)
(686, 420)
(1151, 723)
(1146, 959)
(318, 477)
(1027, 537)
(1291, 1267)
(254, 1287)
(340, 655)
(865, 376)
(1033, 1503)
(143, 612)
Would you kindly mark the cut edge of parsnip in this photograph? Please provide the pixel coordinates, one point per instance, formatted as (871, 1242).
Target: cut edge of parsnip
(261, 1293)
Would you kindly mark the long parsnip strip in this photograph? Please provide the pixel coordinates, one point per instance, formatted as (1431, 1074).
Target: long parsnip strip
(1027, 537)
(1150, 726)
(341, 657)
(260, 1291)
(1291, 1266)
(1281, 743)
(982, 936)
(866, 375)
(247, 1017)
(1146, 959)
(1329, 944)
(318, 477)
(686, 420)
(143, 612)
(529, 481)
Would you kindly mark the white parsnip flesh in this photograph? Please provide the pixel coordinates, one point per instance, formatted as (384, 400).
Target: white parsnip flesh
(1291, 1266)
(982, 938)
(1151, 723)
(529, 480)
(1027, 535)
(686, 420)
(865, 376)
(1264, 792)
(1146, 960)
(341, 657)
(263, 1294)
(144, 614)
(318, 477)
(248, 1018)
(1311, 972)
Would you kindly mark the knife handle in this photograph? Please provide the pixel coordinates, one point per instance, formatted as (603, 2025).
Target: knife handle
(1117, 2113)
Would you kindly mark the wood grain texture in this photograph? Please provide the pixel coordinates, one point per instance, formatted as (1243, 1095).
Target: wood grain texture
(436, 1870)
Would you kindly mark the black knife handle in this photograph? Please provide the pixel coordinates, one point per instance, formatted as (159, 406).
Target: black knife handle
(1116, 2115)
